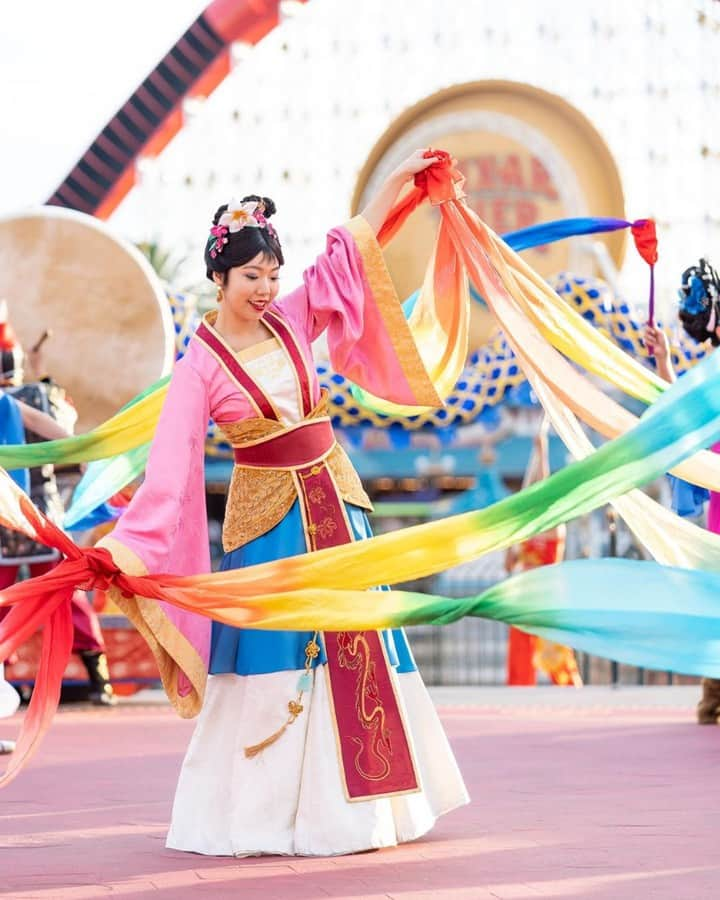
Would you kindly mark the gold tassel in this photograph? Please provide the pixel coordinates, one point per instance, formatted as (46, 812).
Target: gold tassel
(295, 707)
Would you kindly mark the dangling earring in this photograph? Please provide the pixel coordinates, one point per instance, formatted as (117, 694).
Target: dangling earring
(220, 295)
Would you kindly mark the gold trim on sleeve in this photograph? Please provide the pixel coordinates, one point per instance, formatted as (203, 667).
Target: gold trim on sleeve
(390, 308)
(172, 651)
(123, 556)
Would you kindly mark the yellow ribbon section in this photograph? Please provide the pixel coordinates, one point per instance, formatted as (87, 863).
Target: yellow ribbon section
(128, 429)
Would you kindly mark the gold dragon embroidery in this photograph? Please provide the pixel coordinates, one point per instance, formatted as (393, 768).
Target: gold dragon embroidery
(354, 654)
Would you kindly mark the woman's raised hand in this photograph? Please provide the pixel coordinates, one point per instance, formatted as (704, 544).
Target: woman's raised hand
(381, 204)
(415, 163)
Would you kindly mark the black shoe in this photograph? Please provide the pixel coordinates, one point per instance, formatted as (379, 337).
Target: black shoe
(101, 692)
(103, 698)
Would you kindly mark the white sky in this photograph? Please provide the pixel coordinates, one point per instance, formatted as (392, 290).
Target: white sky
(66, 66)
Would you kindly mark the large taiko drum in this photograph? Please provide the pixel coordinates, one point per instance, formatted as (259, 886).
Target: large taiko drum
(112, 330)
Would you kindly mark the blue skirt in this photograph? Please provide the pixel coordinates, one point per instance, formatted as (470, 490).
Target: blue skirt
(246, 651)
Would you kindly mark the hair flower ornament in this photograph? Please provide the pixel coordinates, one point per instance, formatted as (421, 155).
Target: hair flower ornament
(218, 239)
(263, 222)
(247, 214)
(239, 215)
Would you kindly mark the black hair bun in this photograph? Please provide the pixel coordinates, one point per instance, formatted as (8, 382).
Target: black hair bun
(220, 210)
(269, 208)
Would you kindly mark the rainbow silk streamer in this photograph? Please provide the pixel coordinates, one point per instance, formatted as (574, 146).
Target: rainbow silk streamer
(598, 606)
(439, 319)
(671, 540)
(507, 297)
(561, 325)
(532, 315)
(132, 426)
(328, 588)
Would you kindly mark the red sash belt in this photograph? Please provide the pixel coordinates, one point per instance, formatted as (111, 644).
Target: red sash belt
(293, 448)
(376, 758)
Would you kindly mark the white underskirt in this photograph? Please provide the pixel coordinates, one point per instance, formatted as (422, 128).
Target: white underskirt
(289, 799)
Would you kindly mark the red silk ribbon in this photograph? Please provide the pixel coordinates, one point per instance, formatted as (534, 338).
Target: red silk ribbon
(439, 183)
(45, 602)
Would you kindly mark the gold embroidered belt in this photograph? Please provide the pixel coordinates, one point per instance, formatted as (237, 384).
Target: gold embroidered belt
(375, 754)
(264, 482)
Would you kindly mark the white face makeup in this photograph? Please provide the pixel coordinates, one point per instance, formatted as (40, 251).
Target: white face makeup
(251, 288)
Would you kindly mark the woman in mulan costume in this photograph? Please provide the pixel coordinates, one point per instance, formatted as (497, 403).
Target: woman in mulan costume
(306, 743)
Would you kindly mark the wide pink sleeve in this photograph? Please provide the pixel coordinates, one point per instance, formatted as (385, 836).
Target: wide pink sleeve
(167, 515)
(164, 530)
(348, 293)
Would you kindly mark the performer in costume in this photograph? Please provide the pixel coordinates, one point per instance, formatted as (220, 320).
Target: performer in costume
(307, 743)
(528, 653)
(699, 294)
(46, 415)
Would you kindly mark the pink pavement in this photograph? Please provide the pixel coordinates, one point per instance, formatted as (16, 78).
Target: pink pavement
(595, 802)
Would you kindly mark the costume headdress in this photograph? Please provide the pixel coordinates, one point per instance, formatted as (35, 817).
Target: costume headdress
(238, 215)
(700, 291)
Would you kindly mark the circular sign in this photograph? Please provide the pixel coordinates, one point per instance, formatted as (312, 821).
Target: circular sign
(528, 156)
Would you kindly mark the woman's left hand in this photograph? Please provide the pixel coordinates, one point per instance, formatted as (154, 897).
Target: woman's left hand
(381, 204)
(414, 164)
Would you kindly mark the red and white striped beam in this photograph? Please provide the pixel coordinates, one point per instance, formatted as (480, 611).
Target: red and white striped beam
(153, 115)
